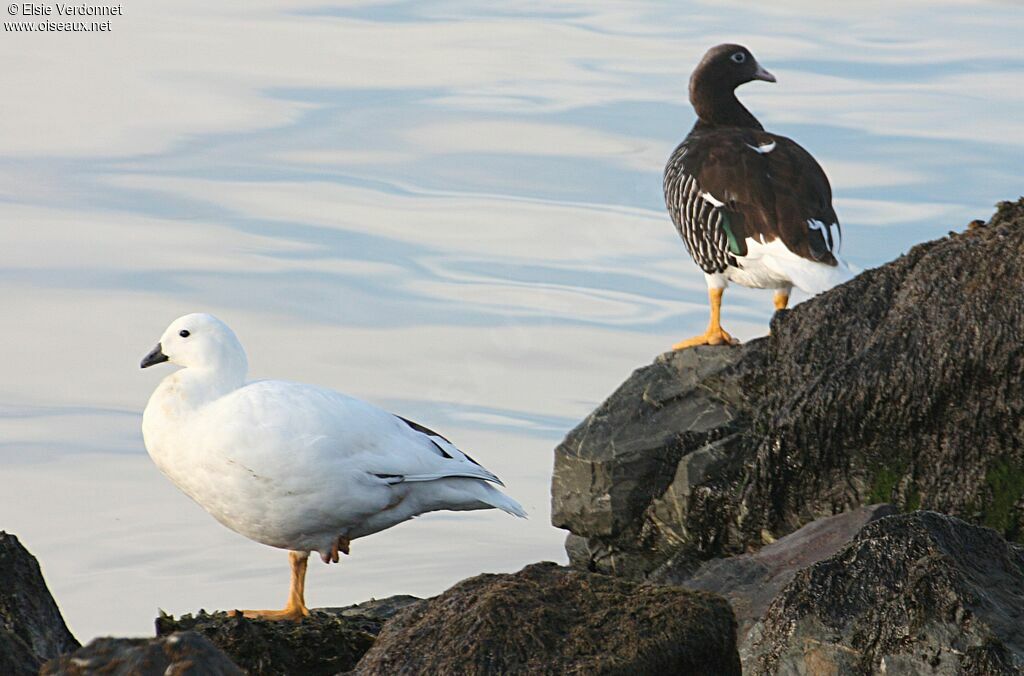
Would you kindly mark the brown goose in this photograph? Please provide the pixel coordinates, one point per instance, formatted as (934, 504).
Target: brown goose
(752, 207)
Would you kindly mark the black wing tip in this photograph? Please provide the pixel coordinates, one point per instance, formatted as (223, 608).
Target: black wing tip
(427, 432)
(422, 429)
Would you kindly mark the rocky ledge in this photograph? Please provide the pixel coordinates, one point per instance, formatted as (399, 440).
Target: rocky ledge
(905, 385)
(547, 619)
(919, 593)
(543, 619)
(179, 654)
(329, 641)
(31, 627)
(750, 582)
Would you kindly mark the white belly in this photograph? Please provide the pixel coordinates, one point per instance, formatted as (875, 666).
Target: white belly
(756, 274)
(303, 509)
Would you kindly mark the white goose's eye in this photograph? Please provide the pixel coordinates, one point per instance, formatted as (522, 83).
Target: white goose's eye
(739, 57)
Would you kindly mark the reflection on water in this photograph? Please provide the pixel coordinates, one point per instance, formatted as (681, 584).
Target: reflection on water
(450, 209)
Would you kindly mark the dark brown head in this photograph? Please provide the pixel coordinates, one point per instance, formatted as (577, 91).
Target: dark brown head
(713, 82)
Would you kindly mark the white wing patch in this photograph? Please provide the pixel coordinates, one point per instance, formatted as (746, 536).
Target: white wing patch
(836, 236)
(711, 199)
(764, 148)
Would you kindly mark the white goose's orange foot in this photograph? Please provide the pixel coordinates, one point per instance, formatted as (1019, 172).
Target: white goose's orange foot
(710, 337)
(294, 614)
(296, 608)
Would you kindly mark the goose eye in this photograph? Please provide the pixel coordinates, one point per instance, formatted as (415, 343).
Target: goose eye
(184, 333)
(739, 57)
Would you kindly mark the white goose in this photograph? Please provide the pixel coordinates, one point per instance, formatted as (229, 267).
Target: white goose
(295, 466)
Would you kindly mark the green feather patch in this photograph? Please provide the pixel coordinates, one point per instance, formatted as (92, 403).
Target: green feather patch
(734, 245)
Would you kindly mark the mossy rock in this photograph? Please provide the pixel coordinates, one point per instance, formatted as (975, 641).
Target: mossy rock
(322, 644)
(547, 619)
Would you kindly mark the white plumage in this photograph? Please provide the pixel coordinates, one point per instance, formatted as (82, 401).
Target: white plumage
(770, 265)
(764, 148)
(292, 465)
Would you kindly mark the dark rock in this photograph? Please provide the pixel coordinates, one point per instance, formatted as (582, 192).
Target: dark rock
(917, 593)
(184, 654)
(624, 478)
(31, 627)
(905, 385)
(370, 616)
(323, 643)
(751, 581)
(547, 619)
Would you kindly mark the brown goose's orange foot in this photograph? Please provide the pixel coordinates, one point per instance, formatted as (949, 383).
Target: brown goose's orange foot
(710, 337)
(294, 614)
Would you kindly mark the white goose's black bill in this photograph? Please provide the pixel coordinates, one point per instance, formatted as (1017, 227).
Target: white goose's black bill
(156, 356)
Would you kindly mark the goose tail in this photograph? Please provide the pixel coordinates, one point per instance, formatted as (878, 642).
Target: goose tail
(495, 498)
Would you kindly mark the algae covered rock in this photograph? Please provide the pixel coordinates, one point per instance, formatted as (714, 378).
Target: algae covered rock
(547, 619)
(181, 654)
(370, 616)
(320, 644)
(904, 385)
(917, 593)
(750, 582)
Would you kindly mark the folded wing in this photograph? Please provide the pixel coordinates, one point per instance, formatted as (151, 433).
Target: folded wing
(752, 185)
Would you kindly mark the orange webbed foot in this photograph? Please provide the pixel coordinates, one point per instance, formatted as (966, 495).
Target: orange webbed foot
(296, 608)
(295, 614)
(715, 335)
(710, 337)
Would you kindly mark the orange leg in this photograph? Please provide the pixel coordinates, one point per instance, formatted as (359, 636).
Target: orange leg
(296, 608)
(781, 300)
(715, 335)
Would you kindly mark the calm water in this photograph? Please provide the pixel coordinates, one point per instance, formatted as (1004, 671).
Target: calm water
(449, 209)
